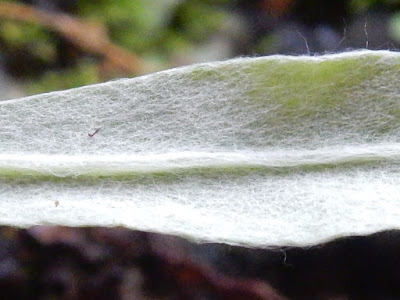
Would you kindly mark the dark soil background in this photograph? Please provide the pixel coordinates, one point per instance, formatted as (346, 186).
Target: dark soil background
(54, 262)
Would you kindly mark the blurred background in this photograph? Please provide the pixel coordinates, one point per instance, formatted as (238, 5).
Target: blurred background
(48, 45)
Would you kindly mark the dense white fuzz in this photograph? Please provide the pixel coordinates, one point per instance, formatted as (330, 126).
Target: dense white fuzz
(263, 151)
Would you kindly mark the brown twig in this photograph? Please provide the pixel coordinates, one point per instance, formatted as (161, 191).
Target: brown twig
(88, 36)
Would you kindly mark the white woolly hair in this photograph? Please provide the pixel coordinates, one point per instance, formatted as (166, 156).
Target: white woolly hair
(266, 151)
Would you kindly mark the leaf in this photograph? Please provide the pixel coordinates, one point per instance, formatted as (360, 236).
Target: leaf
(262, 151)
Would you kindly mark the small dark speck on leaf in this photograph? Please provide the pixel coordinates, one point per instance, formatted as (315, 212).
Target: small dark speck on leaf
(92, 134)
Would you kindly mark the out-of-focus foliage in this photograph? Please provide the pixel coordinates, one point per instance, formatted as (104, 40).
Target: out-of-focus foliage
(133, 24)
(155, 30)
(169, 33)
(85, 72)
(16, 35)
(363, 5)
(394, 26)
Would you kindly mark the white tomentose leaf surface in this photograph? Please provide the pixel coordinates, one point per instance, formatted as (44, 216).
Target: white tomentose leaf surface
(267, 151)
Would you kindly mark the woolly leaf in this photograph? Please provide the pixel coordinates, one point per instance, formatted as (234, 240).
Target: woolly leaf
(263, 151)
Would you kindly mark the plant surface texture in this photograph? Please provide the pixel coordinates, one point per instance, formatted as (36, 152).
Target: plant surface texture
(265, 151)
